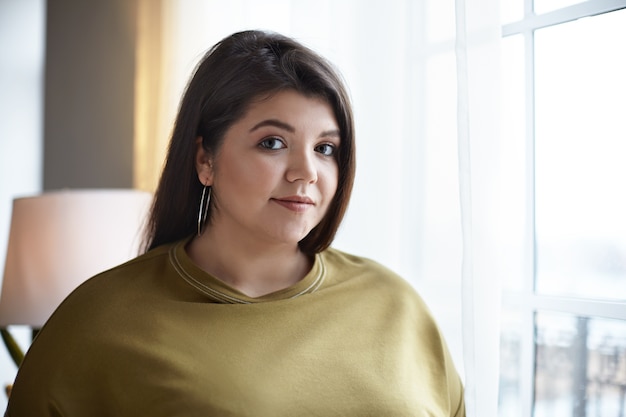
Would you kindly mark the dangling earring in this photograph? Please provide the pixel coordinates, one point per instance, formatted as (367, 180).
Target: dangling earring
(204, 208)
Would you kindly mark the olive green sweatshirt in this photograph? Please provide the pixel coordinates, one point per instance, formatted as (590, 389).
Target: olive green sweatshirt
(158, 336)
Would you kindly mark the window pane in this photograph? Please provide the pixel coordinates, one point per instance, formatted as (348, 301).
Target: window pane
(513, 178)
(543, 6)
(511, 11)
(580, 366)
(509, 401)
(580, 160)
(440, 24)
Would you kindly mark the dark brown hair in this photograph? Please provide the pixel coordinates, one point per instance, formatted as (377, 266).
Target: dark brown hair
(233, 73)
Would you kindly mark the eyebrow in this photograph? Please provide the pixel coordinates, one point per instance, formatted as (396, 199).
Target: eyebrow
(291, 129)
(274, 123)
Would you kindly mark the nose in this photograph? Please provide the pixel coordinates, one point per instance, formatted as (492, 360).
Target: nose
(302, 167)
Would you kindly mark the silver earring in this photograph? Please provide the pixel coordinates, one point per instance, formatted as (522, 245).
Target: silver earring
(204, 208)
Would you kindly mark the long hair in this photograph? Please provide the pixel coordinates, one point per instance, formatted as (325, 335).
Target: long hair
(229, 77)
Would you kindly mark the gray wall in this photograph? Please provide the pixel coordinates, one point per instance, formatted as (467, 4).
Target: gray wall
(89, 94)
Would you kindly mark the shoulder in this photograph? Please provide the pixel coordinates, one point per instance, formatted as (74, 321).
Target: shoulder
(126, 274)
(108, 302)
(355, 271)
(90, 323)
(113, 291)
(353, 266)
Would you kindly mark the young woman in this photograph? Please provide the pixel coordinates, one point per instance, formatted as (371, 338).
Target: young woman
(239, 307)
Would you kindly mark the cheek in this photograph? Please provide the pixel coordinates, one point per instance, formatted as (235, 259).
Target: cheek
(331, 181)
(243, 173)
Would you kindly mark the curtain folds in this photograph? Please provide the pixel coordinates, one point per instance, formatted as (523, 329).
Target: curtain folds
(424, 79)
(477, 49)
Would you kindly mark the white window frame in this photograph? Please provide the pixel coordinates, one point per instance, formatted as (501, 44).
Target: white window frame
(526, 301)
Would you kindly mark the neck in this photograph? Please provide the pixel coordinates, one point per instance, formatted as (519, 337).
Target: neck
(254, 270)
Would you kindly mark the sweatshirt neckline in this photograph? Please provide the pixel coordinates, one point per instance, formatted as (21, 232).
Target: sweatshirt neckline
(221, 292)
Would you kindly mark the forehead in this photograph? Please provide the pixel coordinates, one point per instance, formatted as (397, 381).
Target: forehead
(290, 104)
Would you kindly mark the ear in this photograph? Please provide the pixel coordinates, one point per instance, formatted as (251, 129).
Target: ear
(204, 164)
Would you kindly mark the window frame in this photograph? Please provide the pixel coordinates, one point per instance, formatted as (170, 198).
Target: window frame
(525, 300)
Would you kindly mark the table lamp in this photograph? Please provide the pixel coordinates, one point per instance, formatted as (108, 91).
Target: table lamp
(59, 239)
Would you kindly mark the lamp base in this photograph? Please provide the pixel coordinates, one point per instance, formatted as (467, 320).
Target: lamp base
(14, 349)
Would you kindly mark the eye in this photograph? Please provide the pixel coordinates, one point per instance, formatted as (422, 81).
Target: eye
(326, 149)
(272, 143)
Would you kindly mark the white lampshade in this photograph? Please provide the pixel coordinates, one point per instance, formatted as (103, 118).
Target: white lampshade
(59, 239)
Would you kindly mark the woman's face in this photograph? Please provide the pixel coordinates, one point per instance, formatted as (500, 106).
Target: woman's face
(276, 171)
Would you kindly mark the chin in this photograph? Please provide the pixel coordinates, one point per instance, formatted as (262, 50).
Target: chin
(292, 240)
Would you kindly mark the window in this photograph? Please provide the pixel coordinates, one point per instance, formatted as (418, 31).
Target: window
(563, 337)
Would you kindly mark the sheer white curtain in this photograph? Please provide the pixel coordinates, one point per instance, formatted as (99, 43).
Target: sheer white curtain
(427, 142)
(478, 73)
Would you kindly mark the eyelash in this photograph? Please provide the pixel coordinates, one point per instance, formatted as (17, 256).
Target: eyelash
(264, 143)
(268, 143)
(333, 149)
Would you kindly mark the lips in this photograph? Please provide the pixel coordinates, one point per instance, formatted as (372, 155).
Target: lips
(296, 203)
